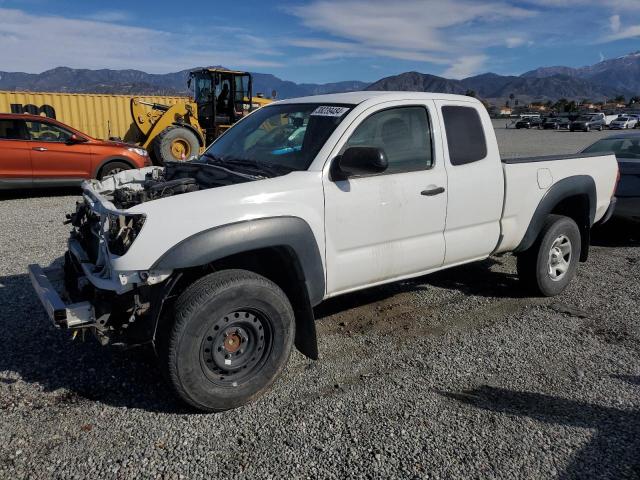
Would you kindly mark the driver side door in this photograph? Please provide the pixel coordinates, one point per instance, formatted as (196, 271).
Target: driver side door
(391, 225)
(55, 160)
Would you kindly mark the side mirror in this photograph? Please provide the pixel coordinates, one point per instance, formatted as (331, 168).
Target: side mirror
(73, 139)
(359, 161)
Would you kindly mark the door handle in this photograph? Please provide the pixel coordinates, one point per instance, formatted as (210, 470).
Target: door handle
(432, 191)
(39, 149)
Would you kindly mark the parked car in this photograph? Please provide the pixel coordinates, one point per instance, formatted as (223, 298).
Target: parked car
(627, 150)
(588, 123)
(37, 151)
(528, 122)
(555, 123)
(623, 123)
(368, 196)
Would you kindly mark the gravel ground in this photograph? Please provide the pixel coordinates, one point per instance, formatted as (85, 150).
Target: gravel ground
(454, 375)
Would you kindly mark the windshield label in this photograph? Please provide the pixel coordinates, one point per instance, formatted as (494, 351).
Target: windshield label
(329, 111)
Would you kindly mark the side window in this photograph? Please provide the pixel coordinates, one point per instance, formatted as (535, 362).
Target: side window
(47, 132)
(403, 133)
(465, 134)
(13, 130)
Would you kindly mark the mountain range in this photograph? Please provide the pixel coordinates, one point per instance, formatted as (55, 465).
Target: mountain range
(606, 79)
(136, 82)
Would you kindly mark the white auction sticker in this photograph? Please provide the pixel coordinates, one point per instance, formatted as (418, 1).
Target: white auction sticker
(329, 111)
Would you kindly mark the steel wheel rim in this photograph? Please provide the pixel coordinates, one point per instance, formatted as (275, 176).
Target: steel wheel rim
(180, 149)
(559, 258)
(236, 347)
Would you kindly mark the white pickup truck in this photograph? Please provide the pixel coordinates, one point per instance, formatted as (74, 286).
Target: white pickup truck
(218, 262)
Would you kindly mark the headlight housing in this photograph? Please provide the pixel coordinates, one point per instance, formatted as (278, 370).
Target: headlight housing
(122, 232)
(139, 151)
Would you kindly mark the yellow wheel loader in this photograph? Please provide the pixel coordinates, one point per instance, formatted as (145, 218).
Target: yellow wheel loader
(177, 132)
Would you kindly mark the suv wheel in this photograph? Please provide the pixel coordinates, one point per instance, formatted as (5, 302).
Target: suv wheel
(112, 168)
(231, 338)
(550, 264)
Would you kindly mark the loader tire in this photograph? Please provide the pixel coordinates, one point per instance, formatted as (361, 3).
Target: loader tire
(175, 144)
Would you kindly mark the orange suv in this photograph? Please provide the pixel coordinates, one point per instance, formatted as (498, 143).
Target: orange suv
(38, 151)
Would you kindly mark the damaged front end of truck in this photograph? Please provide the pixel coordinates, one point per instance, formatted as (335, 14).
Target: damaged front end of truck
(87, 292)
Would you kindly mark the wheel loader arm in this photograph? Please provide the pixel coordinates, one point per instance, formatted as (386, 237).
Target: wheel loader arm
(150, 120)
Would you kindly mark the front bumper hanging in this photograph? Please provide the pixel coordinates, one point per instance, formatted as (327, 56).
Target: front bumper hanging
(63, 315)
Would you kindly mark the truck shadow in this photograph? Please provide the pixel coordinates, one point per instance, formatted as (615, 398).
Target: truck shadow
(617, 232)
(35, 193)
(613, 449)
(70, 371)
(477, 279)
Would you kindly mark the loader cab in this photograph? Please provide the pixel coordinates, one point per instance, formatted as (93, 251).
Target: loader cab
(223, 97)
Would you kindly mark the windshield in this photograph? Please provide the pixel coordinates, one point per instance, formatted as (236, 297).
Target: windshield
(286, 137)
(622, 147)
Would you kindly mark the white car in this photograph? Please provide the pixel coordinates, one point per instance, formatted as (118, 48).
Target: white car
(219, 262)
(622, 123)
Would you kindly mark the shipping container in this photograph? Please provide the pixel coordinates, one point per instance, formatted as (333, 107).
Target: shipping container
(98, 115)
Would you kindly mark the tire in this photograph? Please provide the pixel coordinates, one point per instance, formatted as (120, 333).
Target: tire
(174, 143)
(227, 316)
(112, 168)
(539, 268)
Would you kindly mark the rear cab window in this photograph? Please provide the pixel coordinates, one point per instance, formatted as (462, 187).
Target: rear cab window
(465, 134)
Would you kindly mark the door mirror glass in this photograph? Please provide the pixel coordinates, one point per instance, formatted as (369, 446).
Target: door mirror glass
(359, 161)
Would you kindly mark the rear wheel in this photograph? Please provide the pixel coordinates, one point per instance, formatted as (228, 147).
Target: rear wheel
(551, 262)
(232, 337)
(112, 168)
(175, 144)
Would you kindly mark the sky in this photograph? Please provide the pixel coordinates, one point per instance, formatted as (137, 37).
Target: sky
(317, 41)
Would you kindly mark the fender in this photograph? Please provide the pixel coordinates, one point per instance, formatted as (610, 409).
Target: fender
(195, 131)
(108, 160)
(559, 191)
(220, 242)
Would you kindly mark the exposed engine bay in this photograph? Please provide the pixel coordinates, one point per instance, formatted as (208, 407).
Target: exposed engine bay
(133, 187)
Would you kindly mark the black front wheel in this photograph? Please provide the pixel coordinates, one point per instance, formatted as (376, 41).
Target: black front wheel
(232, 336)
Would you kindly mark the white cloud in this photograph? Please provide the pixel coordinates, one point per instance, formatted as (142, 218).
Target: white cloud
(433, 31)
(466, 66)
(624, 33)
(33, 43)
(513, 42)
(614, 23)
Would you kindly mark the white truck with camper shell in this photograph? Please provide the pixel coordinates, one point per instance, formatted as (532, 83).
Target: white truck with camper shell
(219, 261)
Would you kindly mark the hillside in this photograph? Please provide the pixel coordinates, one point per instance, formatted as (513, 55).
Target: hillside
(606, 79)
(64, 79)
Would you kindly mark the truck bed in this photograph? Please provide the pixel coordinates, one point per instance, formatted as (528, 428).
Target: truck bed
(551, 173)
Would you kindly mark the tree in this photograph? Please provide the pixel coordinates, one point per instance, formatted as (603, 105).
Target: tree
(619, 99)
(470, 93)
(571, 106)
(634, 99)
(507, 104)
(512, 96)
